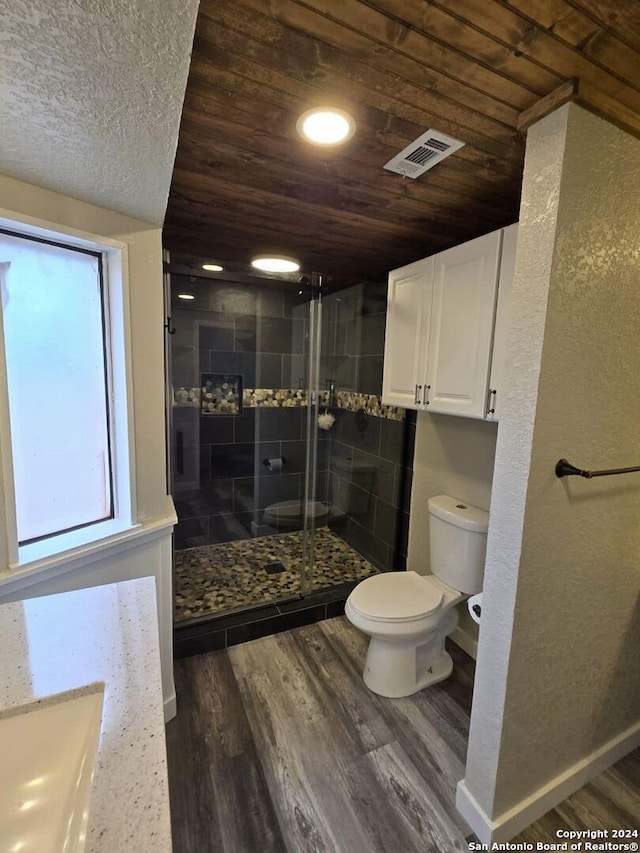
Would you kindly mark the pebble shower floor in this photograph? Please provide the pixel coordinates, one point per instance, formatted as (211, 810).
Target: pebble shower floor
(215, 578)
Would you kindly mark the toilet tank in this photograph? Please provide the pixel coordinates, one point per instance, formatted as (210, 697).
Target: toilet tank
(458, 537)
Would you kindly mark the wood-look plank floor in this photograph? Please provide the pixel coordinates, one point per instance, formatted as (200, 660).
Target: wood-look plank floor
(279, 746)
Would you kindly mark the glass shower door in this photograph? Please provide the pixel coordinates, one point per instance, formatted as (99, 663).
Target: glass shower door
(247, 474)
(288, 473)
(315, 504)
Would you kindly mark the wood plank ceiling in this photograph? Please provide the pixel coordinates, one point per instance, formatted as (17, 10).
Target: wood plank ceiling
(244, 181)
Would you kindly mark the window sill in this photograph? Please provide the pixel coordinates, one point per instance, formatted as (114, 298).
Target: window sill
(119, 537)
(55, 545)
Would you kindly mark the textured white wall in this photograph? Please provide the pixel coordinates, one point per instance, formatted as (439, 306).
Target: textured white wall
(558, 668)
(91, 96)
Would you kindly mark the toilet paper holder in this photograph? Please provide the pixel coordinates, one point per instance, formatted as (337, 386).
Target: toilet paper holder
(474, 604)
(274, 464)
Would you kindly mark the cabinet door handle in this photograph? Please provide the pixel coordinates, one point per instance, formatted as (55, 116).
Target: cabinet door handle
(491, 399)
(416, 399)
(427, 388)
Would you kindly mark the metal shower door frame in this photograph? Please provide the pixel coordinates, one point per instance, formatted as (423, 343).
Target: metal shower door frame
(311, 464)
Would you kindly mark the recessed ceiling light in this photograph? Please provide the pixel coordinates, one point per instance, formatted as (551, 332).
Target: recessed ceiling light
(212, 267)
(186, 296)
(326, 126)
(275, 263)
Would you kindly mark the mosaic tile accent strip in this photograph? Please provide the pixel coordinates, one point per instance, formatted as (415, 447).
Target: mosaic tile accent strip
(217, 578)
(351, 401)
(274, 397)
(371, 403)
(189, 397)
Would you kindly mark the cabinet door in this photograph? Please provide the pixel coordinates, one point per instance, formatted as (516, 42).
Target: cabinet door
(406, 336)
(507, 264)
(461, 328)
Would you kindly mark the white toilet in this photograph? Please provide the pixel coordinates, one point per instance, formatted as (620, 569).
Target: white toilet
(408, 615)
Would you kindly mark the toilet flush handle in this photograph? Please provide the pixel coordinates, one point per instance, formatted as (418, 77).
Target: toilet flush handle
(477, 609)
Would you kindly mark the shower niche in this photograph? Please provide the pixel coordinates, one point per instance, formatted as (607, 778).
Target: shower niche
(220, 394)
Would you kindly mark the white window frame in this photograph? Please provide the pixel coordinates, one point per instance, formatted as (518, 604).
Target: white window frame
(117, 327)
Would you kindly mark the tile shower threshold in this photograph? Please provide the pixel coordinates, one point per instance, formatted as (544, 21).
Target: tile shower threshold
(217, 631)
(232, 614)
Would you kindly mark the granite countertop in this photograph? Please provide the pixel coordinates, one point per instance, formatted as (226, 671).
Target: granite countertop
(103, 634)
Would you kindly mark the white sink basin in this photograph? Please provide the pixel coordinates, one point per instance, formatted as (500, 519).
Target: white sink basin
(48, 752)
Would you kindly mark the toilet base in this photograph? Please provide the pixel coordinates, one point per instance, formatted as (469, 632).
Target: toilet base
(398, 667)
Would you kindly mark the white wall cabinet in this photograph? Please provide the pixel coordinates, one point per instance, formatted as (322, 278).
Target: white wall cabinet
(440, 328)
(461, 326)
(407, 334)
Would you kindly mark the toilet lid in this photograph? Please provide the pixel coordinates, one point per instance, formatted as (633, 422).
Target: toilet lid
(396, 597)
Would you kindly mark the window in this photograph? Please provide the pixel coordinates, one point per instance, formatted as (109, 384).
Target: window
(56, 350)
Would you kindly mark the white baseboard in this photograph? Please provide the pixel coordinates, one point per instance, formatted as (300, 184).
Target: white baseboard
(523, 814)
(170, 708)
(465, 641)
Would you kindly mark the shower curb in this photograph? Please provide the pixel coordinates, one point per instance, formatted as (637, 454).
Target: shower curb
(211, 633)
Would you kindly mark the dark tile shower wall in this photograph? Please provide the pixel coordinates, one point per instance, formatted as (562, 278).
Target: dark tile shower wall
(370, 480)
(223, 487)
(257, 331)
(232, 485)
(353, 337)
(371, 458)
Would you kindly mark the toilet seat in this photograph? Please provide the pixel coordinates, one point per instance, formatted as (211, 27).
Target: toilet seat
(396, 597)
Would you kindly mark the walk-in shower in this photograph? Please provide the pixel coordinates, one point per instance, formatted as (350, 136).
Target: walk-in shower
(288, 475)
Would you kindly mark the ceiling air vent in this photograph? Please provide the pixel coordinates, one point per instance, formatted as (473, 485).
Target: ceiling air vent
(423, 153)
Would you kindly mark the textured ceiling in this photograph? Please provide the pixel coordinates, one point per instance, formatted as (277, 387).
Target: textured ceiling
(90, 97)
